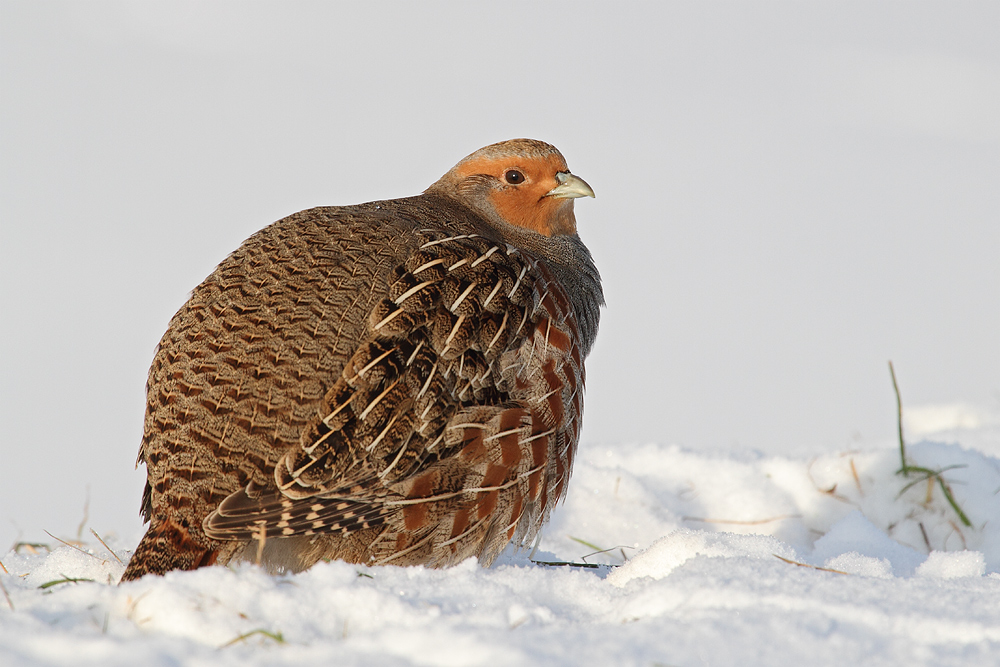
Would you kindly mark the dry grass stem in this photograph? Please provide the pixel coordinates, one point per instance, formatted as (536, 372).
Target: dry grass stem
(737, 522)
(6, 596)
(110, 550)
(276, 636)
(961, 535)
(86, 515)
(923, 532)
(31, 547)
(857, 480)
(832, 491)
(72, 546)
(811, 567)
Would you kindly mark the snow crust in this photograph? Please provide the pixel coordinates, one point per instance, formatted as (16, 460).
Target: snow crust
(704, 559)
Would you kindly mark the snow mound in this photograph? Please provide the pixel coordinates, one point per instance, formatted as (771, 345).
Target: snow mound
(668, 553)
(941, 565)
(859, 537)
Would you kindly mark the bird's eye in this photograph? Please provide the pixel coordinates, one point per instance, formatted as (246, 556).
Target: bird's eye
(513, 176)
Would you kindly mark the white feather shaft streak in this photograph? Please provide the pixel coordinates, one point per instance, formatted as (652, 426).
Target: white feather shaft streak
(484, 257)
(492, 294)
(449, 238)
(370, 365)
(413, 290)
(382, 434)
(375, 402)
(427, 265)
(454, 331)
(461, 297)
(517, 283)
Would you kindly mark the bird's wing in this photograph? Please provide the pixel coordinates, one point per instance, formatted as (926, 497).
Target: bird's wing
(464, 400)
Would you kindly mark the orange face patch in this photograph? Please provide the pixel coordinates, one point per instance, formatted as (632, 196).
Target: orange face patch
(521, 199)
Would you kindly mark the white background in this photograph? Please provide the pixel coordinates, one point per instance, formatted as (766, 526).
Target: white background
(788, 195)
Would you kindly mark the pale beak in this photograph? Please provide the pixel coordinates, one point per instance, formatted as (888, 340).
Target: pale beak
(570, 187)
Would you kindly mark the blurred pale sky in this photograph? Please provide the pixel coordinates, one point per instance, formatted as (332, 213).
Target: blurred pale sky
(788, 195)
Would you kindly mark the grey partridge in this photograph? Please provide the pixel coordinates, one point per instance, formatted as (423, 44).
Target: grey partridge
(394, 382)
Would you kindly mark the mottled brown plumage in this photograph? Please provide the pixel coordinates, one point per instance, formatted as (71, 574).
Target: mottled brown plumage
(394, 382)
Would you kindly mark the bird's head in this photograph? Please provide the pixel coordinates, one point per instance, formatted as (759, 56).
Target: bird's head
(521, 182)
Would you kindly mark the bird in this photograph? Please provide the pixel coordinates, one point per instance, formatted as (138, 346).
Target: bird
(399, 382)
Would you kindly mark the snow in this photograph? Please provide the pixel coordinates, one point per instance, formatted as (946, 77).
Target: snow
(705, 558)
